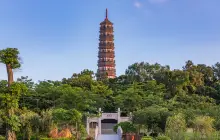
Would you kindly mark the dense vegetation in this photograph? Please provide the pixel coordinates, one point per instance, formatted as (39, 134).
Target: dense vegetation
(162, 101)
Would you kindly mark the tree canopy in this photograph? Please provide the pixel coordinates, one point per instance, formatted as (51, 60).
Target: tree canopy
(153, 93)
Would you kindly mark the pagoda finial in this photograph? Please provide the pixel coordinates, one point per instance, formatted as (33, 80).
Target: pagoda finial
(106, 14)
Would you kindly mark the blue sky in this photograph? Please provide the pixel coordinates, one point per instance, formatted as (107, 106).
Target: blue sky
(59, 37)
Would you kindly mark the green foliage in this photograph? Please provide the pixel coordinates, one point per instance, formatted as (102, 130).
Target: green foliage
(69, 116)
(176, 126)
(146, 138)
(1, 122)
(30, 122)
(9, 102)
(175, 81)
(10, 56)
(141, 72)
(127, 127)
(46, 120)
(140, 95)
(2, 138)
(163, 138)
(83, 80)
(57, 138)
(203, 125)
(74, 98)
(10, 98)
(153, 117)
(152, 93)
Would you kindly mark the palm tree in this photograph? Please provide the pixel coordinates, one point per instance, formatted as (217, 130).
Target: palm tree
(10, 58)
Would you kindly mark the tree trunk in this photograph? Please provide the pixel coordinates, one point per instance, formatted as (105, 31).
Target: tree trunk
(10, 134)
(10, 74)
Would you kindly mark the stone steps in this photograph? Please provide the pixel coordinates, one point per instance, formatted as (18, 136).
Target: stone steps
(108, 137)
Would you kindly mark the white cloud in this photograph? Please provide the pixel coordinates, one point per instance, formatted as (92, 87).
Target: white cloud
(158, 1)
(137, 4)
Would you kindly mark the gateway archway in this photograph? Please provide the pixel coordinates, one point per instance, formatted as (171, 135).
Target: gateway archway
(107, 126)
(105, 123)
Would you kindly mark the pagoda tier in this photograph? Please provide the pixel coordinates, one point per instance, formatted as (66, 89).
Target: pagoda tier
(106, 54)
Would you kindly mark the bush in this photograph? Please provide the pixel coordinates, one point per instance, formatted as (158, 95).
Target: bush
(57, 139)
(2, 138)
(176, 127)
(127, 127)
(89, 138)
(163, 138)
(203, 125)
(146, 138)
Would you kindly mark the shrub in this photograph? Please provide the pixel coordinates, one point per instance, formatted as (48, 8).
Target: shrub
(127, 127)
(154, 117)
(57, 139)
(163, 138)
(203, 125)
(146, 138)
(2, 138)
(89, 138)
(176, 126)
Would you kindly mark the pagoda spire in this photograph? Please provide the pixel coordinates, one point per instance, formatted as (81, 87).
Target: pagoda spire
(106, 54)
(106, 14)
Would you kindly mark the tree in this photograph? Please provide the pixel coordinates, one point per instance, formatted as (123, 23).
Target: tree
(176, 126)
(194, 101)
(216, 69)
(83, 79)
(44, 95)
(30, 122)
(9, 104)
(10, 58)
(28, 82)
(119, 83)
(70, 118)
(189, 64)
(139, 72)
(74, 98)
(66, 117)
(130, 100)
(204, 126)
(153, 117)
(46, 120)
(1, 122)
(175, 81)
(208, 74)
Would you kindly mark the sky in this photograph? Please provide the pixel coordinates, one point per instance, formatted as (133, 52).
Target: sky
(57, 38)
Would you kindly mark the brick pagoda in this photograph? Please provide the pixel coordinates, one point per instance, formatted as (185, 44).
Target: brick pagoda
(106, 54)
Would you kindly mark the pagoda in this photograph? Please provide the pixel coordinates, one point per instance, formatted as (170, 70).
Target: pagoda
(106, 54)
